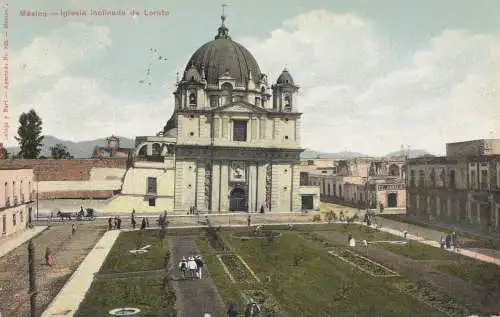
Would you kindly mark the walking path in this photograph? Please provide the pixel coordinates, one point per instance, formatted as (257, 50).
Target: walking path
(10, 243)
(197, 297)
(434, 243)
(69, 298)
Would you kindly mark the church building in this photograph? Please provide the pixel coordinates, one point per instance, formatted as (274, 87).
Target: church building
(231, 145)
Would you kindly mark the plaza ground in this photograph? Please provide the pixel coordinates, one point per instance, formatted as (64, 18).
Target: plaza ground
(281, 265)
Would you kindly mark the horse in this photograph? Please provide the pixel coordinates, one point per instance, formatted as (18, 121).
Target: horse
(183, 267)
(64, 215)
(192, 267)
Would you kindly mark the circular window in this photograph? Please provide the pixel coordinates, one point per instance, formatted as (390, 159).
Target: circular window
(192, 117)
(124, 311)
(191, 133)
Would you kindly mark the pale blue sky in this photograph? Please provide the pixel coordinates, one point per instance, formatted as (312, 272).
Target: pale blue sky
(374, 74)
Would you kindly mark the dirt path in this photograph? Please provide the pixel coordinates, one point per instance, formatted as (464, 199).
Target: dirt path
(474, 297)
(69, 250)
(194, 297)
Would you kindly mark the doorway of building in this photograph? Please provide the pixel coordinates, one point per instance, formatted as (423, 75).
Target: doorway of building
(392, 200)
(307, 202)
(237, 200)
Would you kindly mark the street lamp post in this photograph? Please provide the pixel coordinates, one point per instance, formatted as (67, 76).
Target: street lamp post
(37, 198)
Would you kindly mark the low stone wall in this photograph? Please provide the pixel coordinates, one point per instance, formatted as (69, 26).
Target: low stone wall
(95, 194)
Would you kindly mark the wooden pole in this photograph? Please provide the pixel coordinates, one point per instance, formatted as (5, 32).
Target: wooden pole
(32, 278)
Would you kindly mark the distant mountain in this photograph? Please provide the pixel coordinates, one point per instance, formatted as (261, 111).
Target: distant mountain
(311, 154)
(411, 154)
(80, 150)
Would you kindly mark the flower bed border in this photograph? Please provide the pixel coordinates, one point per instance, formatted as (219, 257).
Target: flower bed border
(390, 273)
(228, 270)
(278, 234)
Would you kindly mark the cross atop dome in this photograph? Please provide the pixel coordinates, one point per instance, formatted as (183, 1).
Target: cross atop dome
(223, 32)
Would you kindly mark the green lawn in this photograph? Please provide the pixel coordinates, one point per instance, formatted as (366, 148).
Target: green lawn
(149, 295)
(483, 274)
(121, 260)
(307, 281)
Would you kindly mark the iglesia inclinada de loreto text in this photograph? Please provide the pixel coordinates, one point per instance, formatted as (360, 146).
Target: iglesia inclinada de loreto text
(232, 143)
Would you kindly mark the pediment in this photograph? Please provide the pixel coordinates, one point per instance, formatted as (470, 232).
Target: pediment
(242, 107)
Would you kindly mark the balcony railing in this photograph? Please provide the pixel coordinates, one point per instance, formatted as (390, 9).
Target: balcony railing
(7, 202)
(15, 201)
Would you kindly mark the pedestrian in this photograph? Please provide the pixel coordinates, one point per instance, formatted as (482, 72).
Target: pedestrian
(442, 242)
(143, 224)
(232, 312)
(349, 238)
(73, 229)
(249, 220)
(405, 233)
(133, 221)
(48, 257)
(147, 222)
(110, 223)
(454, 238)
(262, 209)
(199, 264)
(118, 223)
(448, 241)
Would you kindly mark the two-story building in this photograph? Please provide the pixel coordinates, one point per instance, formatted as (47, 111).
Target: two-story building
(461, 187)
(232, 144)
(16, 199)
(360, 182)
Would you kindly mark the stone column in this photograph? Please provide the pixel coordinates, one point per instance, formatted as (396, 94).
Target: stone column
(276, 189)
(179, 186)
(261, 185)
(252, 186)
(224, 186)
(200, 186)
(215, 186)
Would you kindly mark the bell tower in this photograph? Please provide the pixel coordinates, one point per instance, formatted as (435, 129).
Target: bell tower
(285, 93)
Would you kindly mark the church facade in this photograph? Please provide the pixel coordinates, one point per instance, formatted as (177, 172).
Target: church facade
(233, 142)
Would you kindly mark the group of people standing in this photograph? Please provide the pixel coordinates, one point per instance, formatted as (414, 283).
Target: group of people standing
(449, 241)
(193, 264)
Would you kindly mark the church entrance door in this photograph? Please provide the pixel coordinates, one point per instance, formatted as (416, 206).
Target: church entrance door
(237, 200)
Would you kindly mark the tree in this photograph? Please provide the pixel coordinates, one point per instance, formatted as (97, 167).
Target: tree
(29, 135)
(60, 151)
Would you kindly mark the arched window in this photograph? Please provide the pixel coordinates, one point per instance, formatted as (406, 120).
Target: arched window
(214, 101)
(13, 189)
(393, 170)
(6, 191)
(257, 101)
(227, 92)
(21, 192)
(192, 98)
(144, 150)
(156, 149)
(287, 103)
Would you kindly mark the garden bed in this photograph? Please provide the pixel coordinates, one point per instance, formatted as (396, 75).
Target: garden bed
(249, 234)
(363, 263)
(427, 294)
(268, 304)
(238, 272)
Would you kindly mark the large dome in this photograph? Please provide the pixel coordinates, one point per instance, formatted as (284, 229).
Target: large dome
(222, 55)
